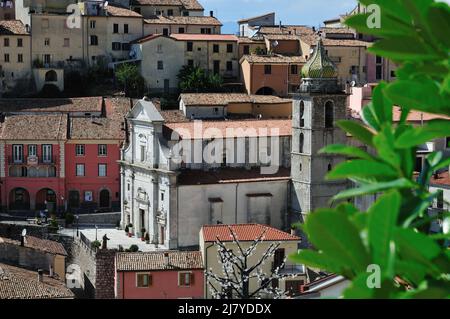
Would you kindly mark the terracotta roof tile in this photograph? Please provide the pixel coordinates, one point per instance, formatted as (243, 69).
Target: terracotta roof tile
(47, 246)
(110, 127)
(192, 5)
(256, 17)
(204, 37)
(274, 59)
(83, 104)
(35, 127)
(231, 128)
(286, 29)
(416, 116)
(151, 261)
(19, 283)
(211, 99)
(442, 179)
(12, 27)
(181, 20)
(116, 11)
(230, 175)
(245, 232)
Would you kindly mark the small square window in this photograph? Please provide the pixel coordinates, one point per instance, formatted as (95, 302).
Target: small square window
(79, 150)
(143, 280)
(267, 69)
(102, 170)
(102, 150)
(160, 65)
(80, 170)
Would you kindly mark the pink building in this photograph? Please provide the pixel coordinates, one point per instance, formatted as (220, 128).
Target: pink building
(60, 154)
(159, 275)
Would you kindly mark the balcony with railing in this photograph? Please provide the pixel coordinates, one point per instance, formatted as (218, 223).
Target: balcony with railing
(291, 269)
(32, 160)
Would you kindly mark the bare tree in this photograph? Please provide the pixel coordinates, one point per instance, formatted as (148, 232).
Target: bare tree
(237, 272)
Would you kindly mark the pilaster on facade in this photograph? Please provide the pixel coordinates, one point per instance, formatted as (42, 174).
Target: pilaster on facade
(62, 160)
(2, 160)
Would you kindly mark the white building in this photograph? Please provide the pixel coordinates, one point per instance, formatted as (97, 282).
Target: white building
(172, 199)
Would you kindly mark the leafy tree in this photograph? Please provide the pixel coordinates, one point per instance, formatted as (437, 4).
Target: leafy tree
(129, 77)
(393, 235)
(195, 79)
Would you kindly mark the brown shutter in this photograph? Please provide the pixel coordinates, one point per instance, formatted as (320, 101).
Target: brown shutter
(150, 280)
(140, 280)
(192, 278)
(180, 279)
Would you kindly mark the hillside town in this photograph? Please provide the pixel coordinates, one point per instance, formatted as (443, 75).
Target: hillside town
(144, 154)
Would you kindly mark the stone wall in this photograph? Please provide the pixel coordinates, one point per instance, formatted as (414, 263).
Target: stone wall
(99, 219)
(14, 231)
(25, 257)
(84, 257)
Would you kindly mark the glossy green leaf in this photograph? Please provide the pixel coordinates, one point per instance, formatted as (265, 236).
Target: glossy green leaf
(385, 144)
(332, 233)
(410, 94)
(420, 135)
(401, 48)
(381, 223)
(390, 27)
(438, 19)
(370, 117)
(401, 183)
(382, 105)
(357, 130)
(362, 168)
(345, 150)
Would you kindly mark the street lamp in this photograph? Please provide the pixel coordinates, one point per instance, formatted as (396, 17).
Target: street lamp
(96, 228)
(76, 217)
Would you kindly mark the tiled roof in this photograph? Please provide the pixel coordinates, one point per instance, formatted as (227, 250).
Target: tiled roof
(192, 5)
(245, 232)
(249, 40)
(244, 128)
(116, 11)
(157, 2)
(345, 43)
(48, 246)
(12, 27)
(170, 116)
(204, 37)
(337, 30)
(18, 283)
(83, 104)
(181, 20)
(187, 4)
(257, 17)
(110, 127)
(34, 127)
(285, 37)
(442, 179)
(230, 176)
(151, 261)
(416, 116)
(273, 59)
(208, 99)
(286, 29)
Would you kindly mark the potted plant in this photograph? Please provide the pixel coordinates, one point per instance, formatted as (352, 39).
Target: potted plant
(127, 230)
(147, 238)
(96, 245)
(143, 234)
(134, 248)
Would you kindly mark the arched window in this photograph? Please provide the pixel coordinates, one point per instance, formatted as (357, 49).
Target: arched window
(302, 114)
(329, 114)
(302, 141)
(51, 76)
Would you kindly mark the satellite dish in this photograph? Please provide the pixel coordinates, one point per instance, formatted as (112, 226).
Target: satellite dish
(353, 84)
(24, 232)
(311, 51)
(106, 4)
(275, 43)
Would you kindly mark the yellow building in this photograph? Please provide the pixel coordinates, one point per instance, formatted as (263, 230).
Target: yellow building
(107, 33)
(15, 64)
(246, 234)
(216, 53)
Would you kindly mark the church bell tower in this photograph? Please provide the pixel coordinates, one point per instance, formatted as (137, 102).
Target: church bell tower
(317, 107)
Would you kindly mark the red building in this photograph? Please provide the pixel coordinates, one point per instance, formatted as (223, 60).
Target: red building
(159, 275)
(61, 154)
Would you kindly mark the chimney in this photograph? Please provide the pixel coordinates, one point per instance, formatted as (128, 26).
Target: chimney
(293, 231)
(211, 13)
(22, 241)
(166, 258)
(40, 275)
(314, 29)
(280, 25)
(51, 271)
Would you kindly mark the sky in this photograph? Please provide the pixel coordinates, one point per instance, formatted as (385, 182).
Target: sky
(300, 12)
